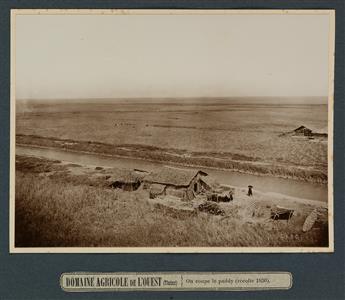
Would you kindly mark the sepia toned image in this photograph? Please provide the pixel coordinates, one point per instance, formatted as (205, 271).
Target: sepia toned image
(172, 131)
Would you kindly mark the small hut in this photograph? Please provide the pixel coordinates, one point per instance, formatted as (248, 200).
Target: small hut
(303, 131)
(126, 180)
(181, 183)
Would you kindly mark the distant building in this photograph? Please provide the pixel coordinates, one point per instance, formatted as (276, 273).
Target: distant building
(302, 130)
(181, 183)
(311, 132)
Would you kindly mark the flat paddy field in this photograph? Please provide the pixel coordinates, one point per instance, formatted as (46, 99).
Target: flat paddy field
(208, 132)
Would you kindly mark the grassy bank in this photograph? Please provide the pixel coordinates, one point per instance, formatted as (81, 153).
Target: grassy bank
(56, 208)
(223, 160)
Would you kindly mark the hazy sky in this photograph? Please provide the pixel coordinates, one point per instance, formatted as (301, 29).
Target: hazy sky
(109, 56)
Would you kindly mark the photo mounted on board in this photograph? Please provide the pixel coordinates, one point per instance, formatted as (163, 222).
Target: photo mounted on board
(172, 131)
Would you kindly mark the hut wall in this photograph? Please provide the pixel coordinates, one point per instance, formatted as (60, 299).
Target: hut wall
(307, 132)
(204, 186)
(176, 191)
(196, 186)
(189, 195)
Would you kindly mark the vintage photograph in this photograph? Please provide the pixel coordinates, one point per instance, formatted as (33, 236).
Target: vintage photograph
(172, 131)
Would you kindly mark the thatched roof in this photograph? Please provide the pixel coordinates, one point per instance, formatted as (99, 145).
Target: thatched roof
(123, 175)
(301, 128)
(173, 176)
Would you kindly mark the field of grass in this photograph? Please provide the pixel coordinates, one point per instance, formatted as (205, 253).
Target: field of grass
(194, 132)
(56, 208)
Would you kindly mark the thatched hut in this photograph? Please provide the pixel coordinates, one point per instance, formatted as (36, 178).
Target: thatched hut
(181, 183)
(302, 130)
(311, 131)
(126, 180)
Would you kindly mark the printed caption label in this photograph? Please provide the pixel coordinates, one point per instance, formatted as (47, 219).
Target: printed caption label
(176, 281)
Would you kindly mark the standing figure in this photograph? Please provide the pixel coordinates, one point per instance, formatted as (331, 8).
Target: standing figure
(250, 191)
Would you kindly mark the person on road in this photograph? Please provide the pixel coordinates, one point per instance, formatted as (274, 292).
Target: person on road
(250, 191)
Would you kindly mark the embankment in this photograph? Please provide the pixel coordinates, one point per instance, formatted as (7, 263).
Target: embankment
(227, 161)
